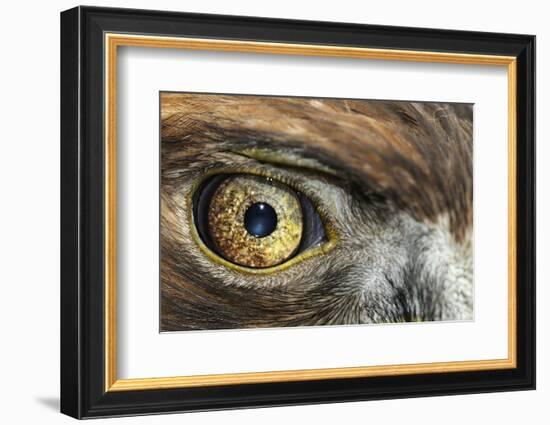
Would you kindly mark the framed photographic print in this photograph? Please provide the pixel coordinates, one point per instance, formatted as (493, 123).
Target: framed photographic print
(261, 212)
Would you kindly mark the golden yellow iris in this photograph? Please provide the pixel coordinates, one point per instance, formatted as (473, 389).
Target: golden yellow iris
(226, 221)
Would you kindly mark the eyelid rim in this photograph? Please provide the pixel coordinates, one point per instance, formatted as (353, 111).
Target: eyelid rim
(330, 231)
(268, 156)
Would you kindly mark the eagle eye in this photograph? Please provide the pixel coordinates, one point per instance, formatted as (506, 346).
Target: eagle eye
(254, 221)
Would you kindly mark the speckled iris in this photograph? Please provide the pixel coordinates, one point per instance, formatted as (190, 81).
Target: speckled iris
(260, 219)
(254, 221)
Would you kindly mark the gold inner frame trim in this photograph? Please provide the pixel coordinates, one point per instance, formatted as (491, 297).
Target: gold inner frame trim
(113, 41)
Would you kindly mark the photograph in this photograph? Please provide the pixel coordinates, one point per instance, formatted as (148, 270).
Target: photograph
(292, 211)
(264, 211)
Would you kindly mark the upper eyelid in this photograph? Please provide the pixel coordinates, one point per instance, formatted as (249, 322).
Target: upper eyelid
(279, 172)
(307, 167)
(290, 159)
(299, 177)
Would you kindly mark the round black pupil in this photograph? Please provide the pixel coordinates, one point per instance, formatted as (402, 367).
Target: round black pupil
(260, 219)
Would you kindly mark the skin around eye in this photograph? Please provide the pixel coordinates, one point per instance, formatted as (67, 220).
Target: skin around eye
(255, 222)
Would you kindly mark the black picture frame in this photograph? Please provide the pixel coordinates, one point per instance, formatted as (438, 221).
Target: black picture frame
(83, 392)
